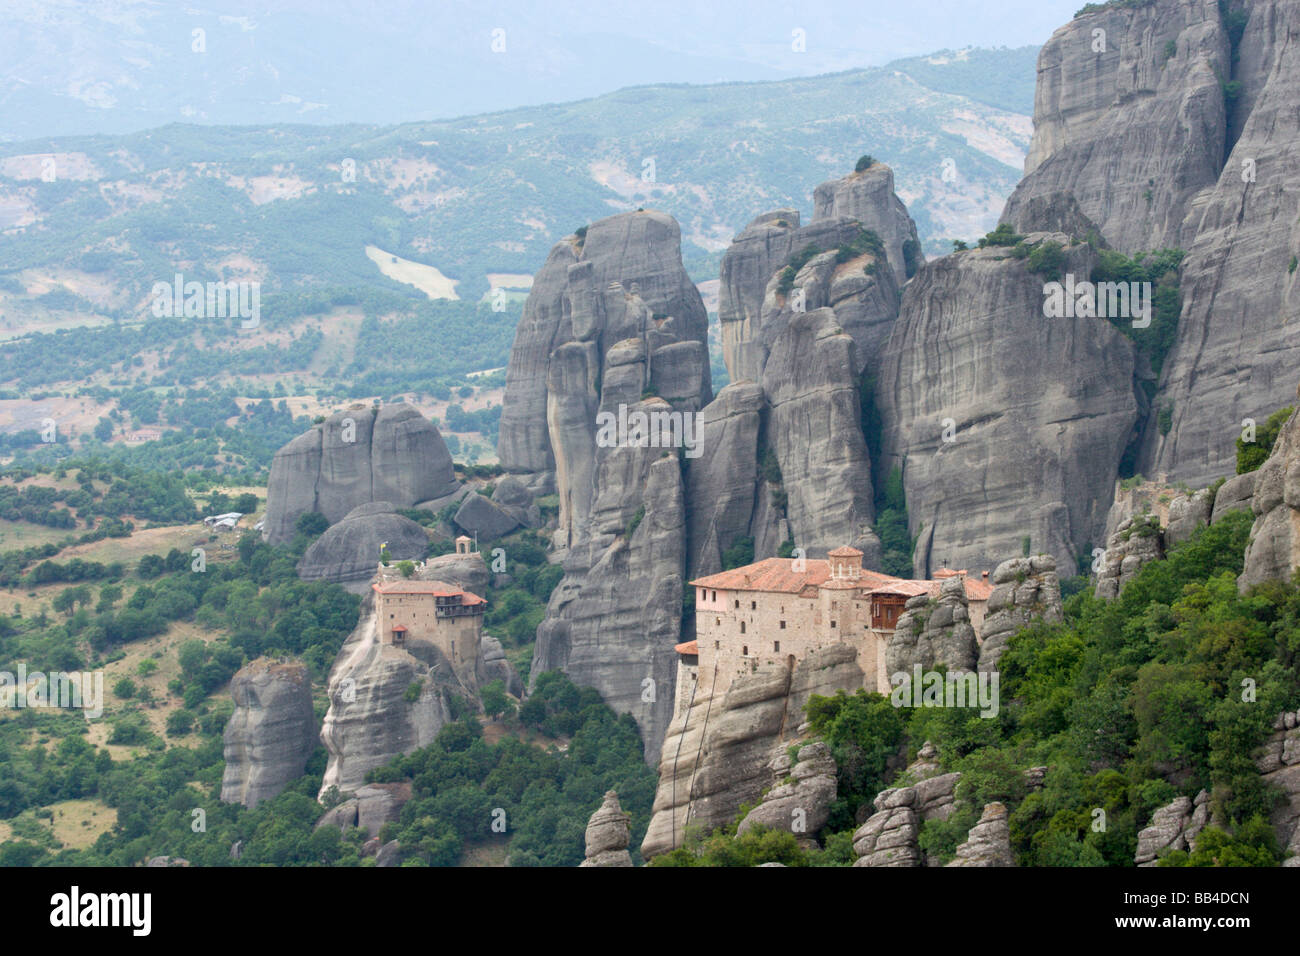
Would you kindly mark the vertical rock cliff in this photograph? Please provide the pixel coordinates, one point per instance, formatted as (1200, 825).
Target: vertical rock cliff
(1274, 548)
(1129, 123)
(1238, 342)
(573, 304)
(613, 327)
(1006, 424)
(1175, 123)
(271, 733)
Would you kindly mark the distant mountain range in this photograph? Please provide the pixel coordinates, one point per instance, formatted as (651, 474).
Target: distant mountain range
(482, 196)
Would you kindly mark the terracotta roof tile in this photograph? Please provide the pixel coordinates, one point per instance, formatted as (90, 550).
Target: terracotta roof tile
(436, 588)
(690, 647)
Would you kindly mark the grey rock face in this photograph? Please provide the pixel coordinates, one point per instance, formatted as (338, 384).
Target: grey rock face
(514, 497)
(815, 432)
(614, 618)
(869, 198)
(860, 291)
(480, 515)
(1038, 411)
(889, 837)
(1187, 513)
(1173, 827)
(496, 667)
(1235, 494)
(708, 769)
(271, 733)
(613, 325)
(1279, 762)
(723, 484)
(355, 457)
(1024, 589)
(800, 802)
(380, 803)
(468, 571)
(1220, 373)
(989, 841)
(348, 552)
(748, 266)
(572, 302)
(934, 636)
(608, 834)
(1274, 549)
(1129, 134)
(1136, 542)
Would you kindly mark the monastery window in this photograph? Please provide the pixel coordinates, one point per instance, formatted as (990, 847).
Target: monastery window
(717, 645)
(737, 604)
(753, 605)
(742, 627)
(744, 650)
(776, 647)
(715, 595)
(783, 625)
(717, 622)
(832, 623)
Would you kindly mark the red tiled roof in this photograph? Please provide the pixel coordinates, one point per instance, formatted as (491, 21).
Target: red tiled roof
(846, 551)
(436, 588)
(778, 575)
(688, 648)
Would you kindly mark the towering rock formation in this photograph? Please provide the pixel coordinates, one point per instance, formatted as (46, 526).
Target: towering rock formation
(726, 498)
(1005, 423)
(612, 326)
(755, 256)
(1174, 123)
(573, 304)
(868, 196)
(387, 700)
(1247, 235)
(1129, 124)
(361, 455)
(1274, 549)
(805, 335)
(861, 286)
(815, 434)
(271, 733)
(614, 618)
(718, 752)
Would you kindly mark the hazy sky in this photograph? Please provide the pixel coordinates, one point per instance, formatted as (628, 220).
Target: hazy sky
(78, 66)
